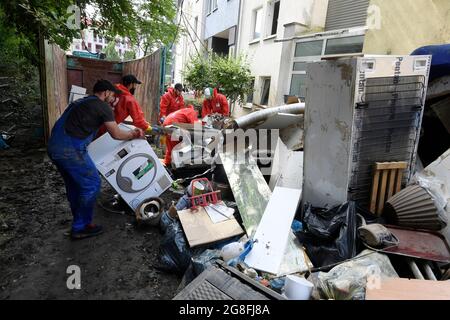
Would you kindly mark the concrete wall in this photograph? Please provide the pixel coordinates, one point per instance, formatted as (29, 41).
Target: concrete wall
(407, 25)
(267, 57)
(225, 17)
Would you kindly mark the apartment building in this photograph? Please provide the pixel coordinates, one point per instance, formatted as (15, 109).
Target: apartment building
(92, 42)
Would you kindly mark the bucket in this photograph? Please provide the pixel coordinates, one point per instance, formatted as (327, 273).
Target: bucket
(297, 288)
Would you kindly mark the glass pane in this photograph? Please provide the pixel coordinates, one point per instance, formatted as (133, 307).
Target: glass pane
(311, 48)
(345, 45)
(300, 66)
(298, 85)
(265, 92)
(258, 23)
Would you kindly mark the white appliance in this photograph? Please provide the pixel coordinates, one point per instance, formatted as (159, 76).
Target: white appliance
(131, 167)
(360, 111)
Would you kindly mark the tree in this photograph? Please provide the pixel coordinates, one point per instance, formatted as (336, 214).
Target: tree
(111, 52)
(150, 23)
(129, 55)
(231, 75)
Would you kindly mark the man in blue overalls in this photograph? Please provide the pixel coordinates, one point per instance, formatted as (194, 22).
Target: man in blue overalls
(67, 148)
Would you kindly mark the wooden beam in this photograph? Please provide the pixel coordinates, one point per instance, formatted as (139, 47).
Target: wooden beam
(391, 165)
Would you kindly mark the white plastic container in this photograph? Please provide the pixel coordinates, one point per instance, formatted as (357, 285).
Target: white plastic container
(297, 288)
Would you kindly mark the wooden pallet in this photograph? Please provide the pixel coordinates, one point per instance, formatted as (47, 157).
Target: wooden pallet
(387, 181)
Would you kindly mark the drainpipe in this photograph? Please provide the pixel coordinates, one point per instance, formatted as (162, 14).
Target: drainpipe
(259, 116)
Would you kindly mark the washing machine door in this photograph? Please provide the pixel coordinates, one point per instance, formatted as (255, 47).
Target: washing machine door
(136, 173)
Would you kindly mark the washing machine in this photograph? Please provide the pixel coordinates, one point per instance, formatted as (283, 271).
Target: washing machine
(131, 167)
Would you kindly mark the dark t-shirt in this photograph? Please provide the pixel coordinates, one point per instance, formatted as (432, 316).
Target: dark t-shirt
(87, 116)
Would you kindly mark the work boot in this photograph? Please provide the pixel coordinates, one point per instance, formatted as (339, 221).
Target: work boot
(91, 230)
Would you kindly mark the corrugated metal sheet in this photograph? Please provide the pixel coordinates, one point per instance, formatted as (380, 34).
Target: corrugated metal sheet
(346, 14)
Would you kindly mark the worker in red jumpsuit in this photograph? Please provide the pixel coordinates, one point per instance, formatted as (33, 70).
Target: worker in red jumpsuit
(214, 103)
(126, 105)
(185, 115)
(171, 101)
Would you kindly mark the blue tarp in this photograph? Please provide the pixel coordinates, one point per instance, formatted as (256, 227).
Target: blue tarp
(440, 64)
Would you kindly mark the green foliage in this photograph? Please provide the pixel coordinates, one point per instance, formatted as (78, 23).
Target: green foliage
(231, 75)
(197, 73)
(111, 52)
(25, 76)
(149, 24)
(129, 55)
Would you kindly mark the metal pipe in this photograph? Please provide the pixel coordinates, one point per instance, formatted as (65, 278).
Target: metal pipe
(415, 270)
(258, 116)
(429, 273)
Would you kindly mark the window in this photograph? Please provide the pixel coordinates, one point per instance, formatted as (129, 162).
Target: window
(345, 45)
(265, 91)
(211, 6)
(89, 46)
(276, 13)
(298, 86)
(98, 48)
(250, 95)
(307, 49)
(196, 26)
(257, 25)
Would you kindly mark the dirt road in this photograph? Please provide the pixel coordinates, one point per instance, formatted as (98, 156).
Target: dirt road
(35, 252)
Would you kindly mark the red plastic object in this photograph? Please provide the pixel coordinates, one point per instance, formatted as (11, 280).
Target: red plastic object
(205, 199)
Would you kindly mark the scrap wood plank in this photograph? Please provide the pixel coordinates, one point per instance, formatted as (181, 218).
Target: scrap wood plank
(387, 181)
(405, 289)
(271, 236)
(199, 228)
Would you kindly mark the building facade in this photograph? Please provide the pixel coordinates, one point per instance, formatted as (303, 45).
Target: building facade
(280, 37)
(191, 18)
(95, 43)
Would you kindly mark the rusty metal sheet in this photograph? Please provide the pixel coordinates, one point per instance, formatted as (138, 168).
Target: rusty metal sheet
(419, 244)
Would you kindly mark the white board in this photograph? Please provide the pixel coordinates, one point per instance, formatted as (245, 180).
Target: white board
(272, 233)
(287, 168)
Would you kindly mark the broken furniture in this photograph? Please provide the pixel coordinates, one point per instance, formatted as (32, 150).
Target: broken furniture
(387, 181)
(200, 229)
(360, 111)
(409, 289)
(225, 283)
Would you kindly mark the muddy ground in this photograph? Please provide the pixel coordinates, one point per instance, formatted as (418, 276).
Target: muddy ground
(35, 250)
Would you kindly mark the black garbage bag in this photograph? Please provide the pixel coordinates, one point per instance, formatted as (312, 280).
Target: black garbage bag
(174, 252)
(329, 236)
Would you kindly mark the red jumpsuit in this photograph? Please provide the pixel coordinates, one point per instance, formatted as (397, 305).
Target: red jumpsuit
(127, 106)
(218, 104)
(169, 103)
(185, 115)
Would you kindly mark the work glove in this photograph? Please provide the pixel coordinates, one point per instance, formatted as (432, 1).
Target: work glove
(149, 130)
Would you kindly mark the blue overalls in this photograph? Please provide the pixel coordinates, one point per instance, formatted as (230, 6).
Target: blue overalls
(80, 175)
